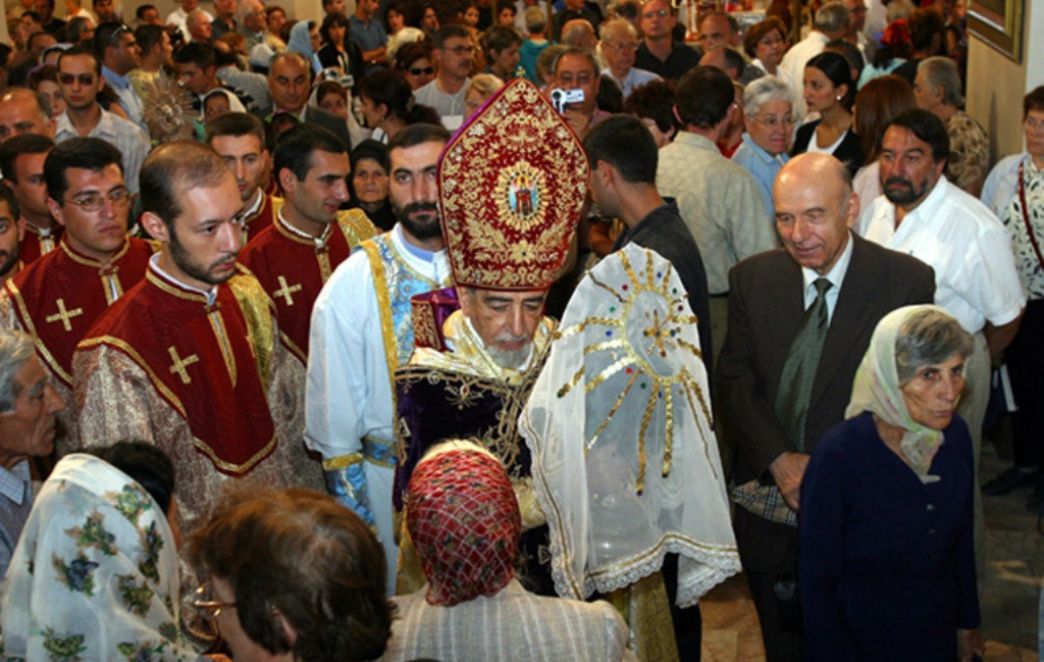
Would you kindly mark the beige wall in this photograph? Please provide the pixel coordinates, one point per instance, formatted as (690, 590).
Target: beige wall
(996, 85)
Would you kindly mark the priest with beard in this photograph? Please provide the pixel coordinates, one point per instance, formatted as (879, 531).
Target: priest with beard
(362, 330)
(474, 366)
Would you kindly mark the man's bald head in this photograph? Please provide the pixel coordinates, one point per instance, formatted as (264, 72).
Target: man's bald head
(24, 111)
(815, 207)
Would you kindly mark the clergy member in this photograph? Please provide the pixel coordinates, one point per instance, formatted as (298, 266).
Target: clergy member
(362, 330)
(190, 358)
(12, 229)
(59, 296)
(309, 238)
(22, 163)
(473, 369)
(240, 140)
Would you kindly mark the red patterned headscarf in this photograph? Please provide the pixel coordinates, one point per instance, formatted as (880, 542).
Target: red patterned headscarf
(463, 517)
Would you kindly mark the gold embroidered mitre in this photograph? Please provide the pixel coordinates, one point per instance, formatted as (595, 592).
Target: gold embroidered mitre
(512, 183)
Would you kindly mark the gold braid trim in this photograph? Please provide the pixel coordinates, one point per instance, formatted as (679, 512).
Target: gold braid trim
(380, 288)
(356, 226)
(260, 321)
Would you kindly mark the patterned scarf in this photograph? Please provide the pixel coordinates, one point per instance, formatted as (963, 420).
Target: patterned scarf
(463, 517)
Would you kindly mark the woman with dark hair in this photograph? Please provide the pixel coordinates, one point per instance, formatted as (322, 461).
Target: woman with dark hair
(388, 105)
(44, 79)
(887, 562)
(368, 183)
(312, 586)
(829, 91)
(102, 539)
(765, 44)
(332, 98)
(926, 27)
(653, 104)
(414, 61)
(338, 51)
(876, 105)
(394, 19)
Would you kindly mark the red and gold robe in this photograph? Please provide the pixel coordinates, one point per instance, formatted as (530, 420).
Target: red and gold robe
(262, 218)
(204, 378)
(58, 297)
(36, 243)
(293, 267)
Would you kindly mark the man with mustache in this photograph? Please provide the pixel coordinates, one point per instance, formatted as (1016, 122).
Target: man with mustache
(922, 214)
(474, 368)
(57, 297)
(11, 230)
(362, 330)
(22, 164)
(309, 238)
(190, 358)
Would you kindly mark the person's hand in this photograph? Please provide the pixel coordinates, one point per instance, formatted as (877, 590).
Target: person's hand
(970, 644)
(787, 470)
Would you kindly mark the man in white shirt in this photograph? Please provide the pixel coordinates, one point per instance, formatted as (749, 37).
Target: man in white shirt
(79, 76)
(924, 215)
(121, 55)
(452, 54)
(831, 21)
(28, 404)
(362, 330)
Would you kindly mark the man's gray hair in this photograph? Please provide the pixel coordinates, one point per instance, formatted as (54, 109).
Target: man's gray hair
(763, 90)
(929, 337)
(833, 17)
(942, 71)
(15, 349)
(618, 27)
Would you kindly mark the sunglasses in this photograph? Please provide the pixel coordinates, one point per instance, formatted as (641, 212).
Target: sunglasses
(417, 71)
(69, 79)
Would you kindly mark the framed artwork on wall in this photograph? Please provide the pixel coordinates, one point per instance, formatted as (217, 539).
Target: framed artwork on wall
(999, 24)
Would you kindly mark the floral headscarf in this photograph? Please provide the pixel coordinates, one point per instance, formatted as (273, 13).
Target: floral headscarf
(95, 574)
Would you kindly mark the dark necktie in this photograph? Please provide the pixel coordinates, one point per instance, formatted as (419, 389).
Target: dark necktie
(799, 370)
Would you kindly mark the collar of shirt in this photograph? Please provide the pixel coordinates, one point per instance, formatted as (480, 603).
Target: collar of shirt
(114, 79)
(696, 140)
(925, 211)
(105, 128)
(836, 276)
(15, 482)
(761, 153)
(319, 241)
(415, 251)
(211, 295)
(254, 208)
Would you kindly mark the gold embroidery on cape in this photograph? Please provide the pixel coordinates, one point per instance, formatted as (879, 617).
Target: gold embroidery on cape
(425, 333)
(380, 288)
(260, 320)
(286, 290)
(179, 364)
(217, 325)
(30, 328)
(356, 226)
(64, 315)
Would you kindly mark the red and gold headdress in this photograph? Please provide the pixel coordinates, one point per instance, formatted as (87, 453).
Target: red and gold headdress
(512, 183)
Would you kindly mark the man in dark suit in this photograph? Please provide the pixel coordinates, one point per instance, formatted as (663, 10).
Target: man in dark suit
(777, 402)
(290, 84)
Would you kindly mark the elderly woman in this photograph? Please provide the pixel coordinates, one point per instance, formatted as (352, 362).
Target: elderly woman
(830, 91)
(937, 89)
(463, 518)
(765, 43)
(1015, 192)
(368, 183)
(887, 564)
(95, 574)
(768, 105)
(310, 588)
(480, 88)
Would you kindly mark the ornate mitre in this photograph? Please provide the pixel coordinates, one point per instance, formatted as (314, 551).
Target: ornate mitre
(512, 183)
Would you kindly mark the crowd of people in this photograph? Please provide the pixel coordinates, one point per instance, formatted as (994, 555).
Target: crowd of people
(503, 329)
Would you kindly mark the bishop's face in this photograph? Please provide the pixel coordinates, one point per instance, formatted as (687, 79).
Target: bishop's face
(505, 320)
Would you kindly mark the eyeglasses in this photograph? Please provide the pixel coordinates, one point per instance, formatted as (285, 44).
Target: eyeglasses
(199, 614)
(419, 71)
(620, 46)
(662, 13)
(461, 50)
(772, 122)
(1034, 125)
(92, 202)
(85, 79)
(568, 80)
(205, 603)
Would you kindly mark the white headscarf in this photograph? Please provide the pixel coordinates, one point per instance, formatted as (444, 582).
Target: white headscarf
(877, 389)
(625, 463)
(95, 574)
